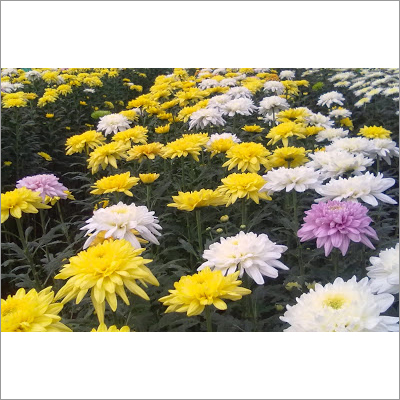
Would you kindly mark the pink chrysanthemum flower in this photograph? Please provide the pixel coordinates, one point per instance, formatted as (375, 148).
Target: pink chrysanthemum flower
(335, 224)
(45, 184)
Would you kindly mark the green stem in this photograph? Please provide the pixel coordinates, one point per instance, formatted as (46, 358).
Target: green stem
(296, 222)
(27, 253)
(208, 319)
(148, 191)
(62, 221)
(335, 262)
(43, 223)
(377, 165)
(244, 211)
(183, 175)
(199, 235)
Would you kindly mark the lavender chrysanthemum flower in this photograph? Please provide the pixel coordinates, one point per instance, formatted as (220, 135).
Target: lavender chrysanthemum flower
(45, 184)
(335, 224)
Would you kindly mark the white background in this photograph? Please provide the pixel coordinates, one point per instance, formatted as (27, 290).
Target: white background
(200, 34)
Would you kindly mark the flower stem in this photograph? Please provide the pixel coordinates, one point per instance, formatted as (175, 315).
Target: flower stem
(244, 211)
(148, 190)
(335, 262)
(199, 235)
(28, 254)
(296, 224)
(42, 221)
(62, 221)
(183, 174)
(208, 319)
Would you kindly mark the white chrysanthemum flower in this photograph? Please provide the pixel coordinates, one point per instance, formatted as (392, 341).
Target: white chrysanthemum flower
(113, 123)
(260, 70)
(340, 113)
(123, 221)
(362, 91)
(357, 84)
(287, 74)
(218, 101)
(391, 91)
(353, 145)
(373, 92)
(299, 179)
(7, 87)
(241, 106)
(342, 84)
(208, 83)
(342, 76)
(319, 120)
(206, 116)
(272, 104)
(225, 135)
(270, 119)
(366, 187)
(33, 75)
(341, 307)
(274, 87)
(228, 82)
(254, 254)
(9, 72)
(219, 71)
(331, 134)
(89, 90)
(385, 149)
(335, 163)
(329, 98)
(240, 91)
(384, 271)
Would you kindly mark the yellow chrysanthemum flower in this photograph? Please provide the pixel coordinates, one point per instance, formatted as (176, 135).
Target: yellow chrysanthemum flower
(31, 312)
(107, 154)
(193, 293)
(50, 77)
(374, 132)
(290, 87)
(252, 128)
(162, 128)
(247, 156)
(150, 150)
(169, 104)
(148, 178)
(105, 269)
(220, 146)
(188, 201)
(186, 112)
(138, 134)
(313, 130)
(247, 185)
(113, 328)
(115, 183)
(48, 115)
(85, 141)
(46, 156)
(93, 81)
(284, 131)
(183, 147)
(288, 156)
(347, 122)
(189, 95)
(297, 115)
(64, 89)
(130, 114)
(18, 201)
(53, 200)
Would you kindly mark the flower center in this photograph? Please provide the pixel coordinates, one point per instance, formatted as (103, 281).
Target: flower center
(335, 302)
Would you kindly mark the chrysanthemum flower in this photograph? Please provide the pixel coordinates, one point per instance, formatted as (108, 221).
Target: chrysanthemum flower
(45, 184)
(239, 92)
(366, 187)
(183, 147)
(374, 132)
(274, 87)
(296, 115)
(254, 254)
(299, 179)
(123, 221)
(331, 134)
(353, 145)
(384, 271)
(385, 149)
(287, 74)
(336, 224)
(335, 163)
(112, 328)
(148, 178)
(247, 185)
(206, 116)
(132, 115)
(341, 307)
(221, 143)
(319, 120)
(247, 156)
(115, 183)
(252, 128)
(288, 157)
(162, 128)
(85, 141)
(31, 312)
(105, 269)
(340, 113)
(284, 131)
(113, 123)
(138, 134)
(18, 201)
(107, 154)
(188, 201)
(242, 106)
(272, 104)
(150, 151)
(193, 293)
(329, 98)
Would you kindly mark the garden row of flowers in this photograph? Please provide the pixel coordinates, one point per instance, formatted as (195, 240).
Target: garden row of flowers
(225, 199)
